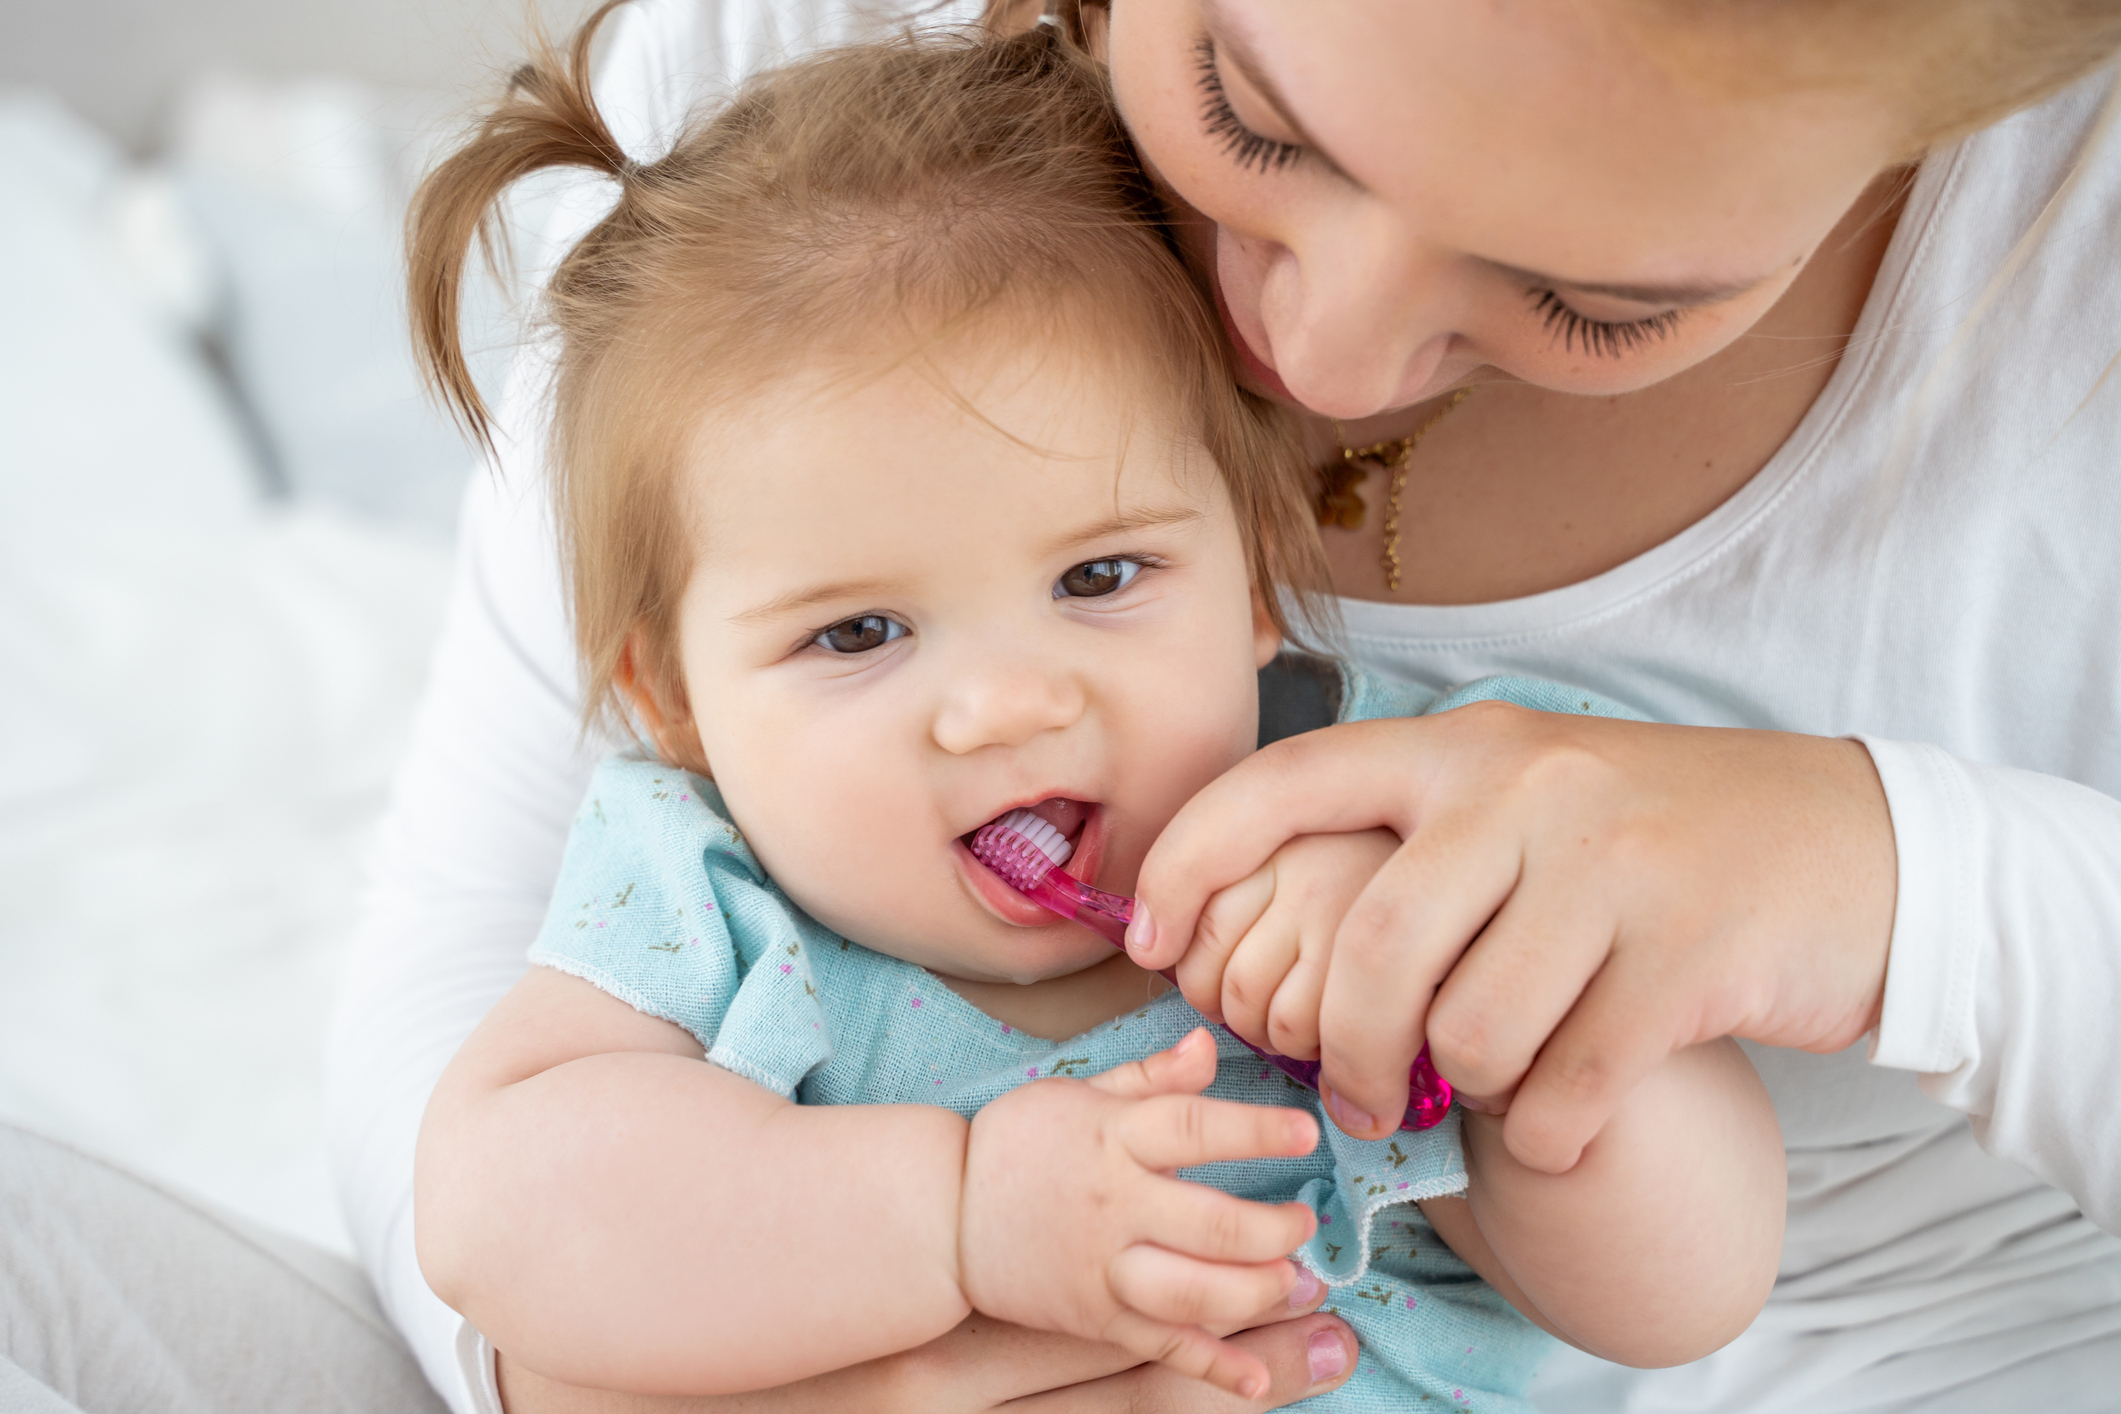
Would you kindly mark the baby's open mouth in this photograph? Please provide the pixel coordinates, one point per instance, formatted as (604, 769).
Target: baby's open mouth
(1070, 832)
(1065, 817)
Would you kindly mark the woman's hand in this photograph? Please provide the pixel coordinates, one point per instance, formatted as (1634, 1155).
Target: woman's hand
(985, 1365)
(1575, 899)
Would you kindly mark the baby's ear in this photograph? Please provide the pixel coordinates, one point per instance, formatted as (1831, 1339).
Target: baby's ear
(655, 692)
(1266, 637)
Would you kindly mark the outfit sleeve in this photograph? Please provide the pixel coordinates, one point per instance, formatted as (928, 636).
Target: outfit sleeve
(660, 903)
(1370, 1176)
(1431, 1329)
(458, 879)
(2005, 973)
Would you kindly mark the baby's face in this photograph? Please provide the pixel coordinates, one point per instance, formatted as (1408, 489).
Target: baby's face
(909, 617)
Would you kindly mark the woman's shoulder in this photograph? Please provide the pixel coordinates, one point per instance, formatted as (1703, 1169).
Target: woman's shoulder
(2032, 192)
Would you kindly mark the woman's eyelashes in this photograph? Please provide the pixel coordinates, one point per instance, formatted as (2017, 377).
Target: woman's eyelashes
(1095, 579)
(1245, 147)
(1601, 338)
(860, 634)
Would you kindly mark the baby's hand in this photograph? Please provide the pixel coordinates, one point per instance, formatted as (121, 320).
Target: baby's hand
(1072, 1221)
(1260, 953)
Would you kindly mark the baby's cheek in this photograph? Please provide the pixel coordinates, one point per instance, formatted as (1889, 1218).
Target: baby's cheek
(824, 829)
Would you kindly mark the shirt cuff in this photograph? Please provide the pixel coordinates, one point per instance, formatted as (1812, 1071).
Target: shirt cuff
(482, 1387)
(1927, 1022)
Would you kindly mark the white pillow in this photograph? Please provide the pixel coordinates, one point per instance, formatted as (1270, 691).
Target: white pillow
(300, 187)
(106, 407)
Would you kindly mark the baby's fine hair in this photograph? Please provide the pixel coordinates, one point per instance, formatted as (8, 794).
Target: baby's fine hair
(919, 185)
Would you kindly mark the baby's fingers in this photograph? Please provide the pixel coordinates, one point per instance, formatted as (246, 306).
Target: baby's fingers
(1169, 1286)
(1184, 1069)
(1226, 921)
(1203, 1222)
(1177, 1131)
(1190, 1351)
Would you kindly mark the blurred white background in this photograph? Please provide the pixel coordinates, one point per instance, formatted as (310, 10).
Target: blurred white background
(225, 514)
(121, 63)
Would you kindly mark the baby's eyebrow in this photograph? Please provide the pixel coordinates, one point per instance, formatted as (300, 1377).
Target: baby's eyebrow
(795, 599)
(1125, 522)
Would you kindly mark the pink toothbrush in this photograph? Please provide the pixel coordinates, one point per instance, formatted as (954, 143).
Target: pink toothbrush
(1027, 853)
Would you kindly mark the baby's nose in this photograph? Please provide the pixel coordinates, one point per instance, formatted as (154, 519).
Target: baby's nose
(1007, 705)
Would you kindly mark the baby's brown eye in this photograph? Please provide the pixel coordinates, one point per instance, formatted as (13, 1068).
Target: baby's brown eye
(1093, 579)
(859, 635)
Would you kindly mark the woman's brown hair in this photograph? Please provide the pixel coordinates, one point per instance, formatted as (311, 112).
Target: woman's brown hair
(1945, 67)
(925, 183)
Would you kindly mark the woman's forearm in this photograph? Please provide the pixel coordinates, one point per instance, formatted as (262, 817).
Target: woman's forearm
(642, 1221)
(1662, 1243)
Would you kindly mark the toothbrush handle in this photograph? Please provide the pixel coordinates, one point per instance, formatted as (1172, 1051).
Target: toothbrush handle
(1105, 914)
(1428, 1094)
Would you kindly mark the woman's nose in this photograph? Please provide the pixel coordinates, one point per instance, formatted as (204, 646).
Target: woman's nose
(1357, 323)
(1007, 704)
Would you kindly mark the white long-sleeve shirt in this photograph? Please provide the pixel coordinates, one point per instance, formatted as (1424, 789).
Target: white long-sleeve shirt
(1932, 563)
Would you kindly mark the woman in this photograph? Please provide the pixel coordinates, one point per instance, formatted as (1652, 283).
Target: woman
(1788, 413)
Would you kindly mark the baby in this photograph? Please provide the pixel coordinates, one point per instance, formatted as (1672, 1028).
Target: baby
(901, 483)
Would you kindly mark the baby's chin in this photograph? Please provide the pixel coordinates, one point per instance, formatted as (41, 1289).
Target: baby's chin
(1001, 955)
(998, 970)
(953, 937)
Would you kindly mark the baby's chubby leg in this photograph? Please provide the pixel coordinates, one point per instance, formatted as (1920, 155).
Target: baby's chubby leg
(1663, 1242)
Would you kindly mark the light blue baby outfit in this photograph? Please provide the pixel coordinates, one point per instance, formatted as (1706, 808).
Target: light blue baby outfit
(661, 904)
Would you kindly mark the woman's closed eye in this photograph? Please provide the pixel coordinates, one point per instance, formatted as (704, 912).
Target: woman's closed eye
(1095, 579)
(860, 634)
(1246, 147)
(1603, 338)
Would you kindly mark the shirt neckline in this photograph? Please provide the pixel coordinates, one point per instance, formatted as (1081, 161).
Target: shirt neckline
(1695, 548)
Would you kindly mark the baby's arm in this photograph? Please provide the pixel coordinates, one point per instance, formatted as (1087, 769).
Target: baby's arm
(1657, 1248)
(615, 1213)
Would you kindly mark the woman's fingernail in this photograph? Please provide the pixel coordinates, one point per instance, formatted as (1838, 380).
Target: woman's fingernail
(1350, 1119)
(1141, 933)
(1305, 1291)
(1328, 1356)
(1474, 1103)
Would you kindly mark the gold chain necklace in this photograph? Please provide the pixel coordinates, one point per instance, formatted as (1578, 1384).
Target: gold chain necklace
(1338, 502)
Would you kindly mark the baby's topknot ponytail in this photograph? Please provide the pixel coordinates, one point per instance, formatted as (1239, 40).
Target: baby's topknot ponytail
(547, 118)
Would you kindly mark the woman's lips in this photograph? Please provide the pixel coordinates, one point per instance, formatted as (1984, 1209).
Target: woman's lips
(1012, 907)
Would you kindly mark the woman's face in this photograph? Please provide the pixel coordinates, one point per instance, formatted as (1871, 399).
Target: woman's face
(1393, 193)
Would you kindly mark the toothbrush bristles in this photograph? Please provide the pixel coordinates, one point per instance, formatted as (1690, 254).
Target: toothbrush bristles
(1021, 847)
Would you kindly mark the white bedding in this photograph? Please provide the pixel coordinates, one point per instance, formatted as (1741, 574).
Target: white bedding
(202, 695)
(199, 729)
